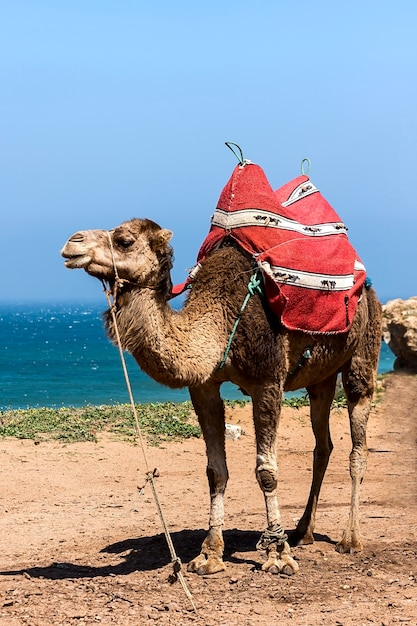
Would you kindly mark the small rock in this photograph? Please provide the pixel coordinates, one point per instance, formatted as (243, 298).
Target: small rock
(148, 612)
(233, 431)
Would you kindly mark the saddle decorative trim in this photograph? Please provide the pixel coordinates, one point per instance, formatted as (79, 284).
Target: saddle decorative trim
(308, 280)
(268, 219)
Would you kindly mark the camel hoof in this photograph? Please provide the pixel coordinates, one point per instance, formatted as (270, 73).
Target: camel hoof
(284, 564)
(302, 535)
(349, 546)
(195, 564)
(203, 565)
(280, 562)
(301, 540)
(281, 567)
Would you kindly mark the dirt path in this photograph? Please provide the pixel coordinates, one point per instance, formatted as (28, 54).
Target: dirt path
(79, 547)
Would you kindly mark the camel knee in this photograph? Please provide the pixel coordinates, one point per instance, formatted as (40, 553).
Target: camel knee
(322, 453)
(267, 477)
(358, 386)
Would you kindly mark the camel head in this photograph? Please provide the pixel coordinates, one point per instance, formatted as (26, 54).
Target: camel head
(137, 252)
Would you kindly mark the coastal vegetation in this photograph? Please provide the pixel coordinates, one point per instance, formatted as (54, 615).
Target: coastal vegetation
(159, 421)
(163, 421)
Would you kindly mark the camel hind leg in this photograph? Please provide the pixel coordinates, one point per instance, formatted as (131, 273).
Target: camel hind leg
(359, 379)
(321, 397)
(209, 408)
(359, 388)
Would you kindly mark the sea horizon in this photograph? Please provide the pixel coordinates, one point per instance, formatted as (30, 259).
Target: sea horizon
(57, 354)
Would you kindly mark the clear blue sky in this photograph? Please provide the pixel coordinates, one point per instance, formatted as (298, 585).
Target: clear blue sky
(114, 109)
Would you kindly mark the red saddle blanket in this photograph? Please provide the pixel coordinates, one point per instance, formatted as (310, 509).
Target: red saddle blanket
(313, 277)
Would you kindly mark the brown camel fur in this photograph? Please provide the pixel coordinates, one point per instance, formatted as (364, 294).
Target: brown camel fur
(185, 348)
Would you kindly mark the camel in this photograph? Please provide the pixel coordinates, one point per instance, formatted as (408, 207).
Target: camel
(185, 349)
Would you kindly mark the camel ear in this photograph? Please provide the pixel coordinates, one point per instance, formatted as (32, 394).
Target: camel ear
(160, 239)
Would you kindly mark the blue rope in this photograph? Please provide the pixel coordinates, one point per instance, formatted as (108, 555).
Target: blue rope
(239, 156)
(254, 286)
(305, 163)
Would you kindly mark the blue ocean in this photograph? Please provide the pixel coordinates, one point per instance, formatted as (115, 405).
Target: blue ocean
(55, 355)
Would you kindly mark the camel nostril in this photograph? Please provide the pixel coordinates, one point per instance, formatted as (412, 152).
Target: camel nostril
(77, 238)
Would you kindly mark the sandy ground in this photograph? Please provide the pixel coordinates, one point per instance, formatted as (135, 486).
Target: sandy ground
(78, 545)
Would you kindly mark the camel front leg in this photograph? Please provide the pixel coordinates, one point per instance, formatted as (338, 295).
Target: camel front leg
(266, 412)
(209, 408)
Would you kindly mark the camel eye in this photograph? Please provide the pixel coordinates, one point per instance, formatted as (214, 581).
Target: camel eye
(124, 243)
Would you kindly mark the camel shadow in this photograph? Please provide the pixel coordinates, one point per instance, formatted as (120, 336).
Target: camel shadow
(152, 553)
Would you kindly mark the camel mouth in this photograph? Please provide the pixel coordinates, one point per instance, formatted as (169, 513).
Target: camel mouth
(77, 261)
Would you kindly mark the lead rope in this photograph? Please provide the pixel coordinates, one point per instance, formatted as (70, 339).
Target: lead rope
(254, 286)
(150, 475)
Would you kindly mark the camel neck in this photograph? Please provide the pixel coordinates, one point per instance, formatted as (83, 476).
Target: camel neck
(176, 348)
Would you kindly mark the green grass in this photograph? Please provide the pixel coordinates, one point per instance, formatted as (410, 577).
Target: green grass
(159, 422)
(167, 421)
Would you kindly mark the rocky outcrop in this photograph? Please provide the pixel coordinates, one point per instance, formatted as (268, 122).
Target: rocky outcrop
(400, 331)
